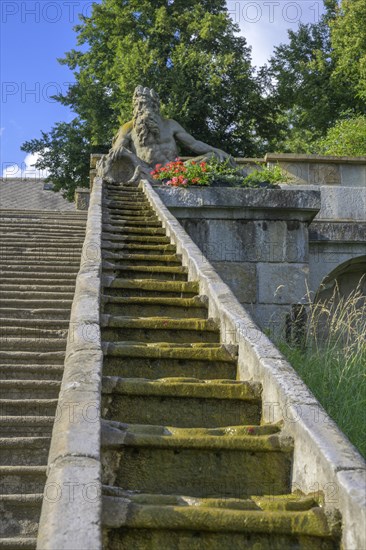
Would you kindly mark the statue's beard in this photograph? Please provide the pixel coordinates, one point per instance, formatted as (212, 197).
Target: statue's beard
(147, 127)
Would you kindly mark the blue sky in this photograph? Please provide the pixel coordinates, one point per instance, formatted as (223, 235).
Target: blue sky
(34, 33)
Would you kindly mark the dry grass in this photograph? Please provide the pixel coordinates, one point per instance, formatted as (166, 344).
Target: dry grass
(330, 357)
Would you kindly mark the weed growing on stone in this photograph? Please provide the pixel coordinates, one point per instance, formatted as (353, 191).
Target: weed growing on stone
(331, 359)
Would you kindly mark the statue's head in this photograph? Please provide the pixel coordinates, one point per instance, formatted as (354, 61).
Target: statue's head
(146, 99)
(146, 114)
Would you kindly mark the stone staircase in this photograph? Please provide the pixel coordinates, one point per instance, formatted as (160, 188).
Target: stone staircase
(187, 462)
(39, 260)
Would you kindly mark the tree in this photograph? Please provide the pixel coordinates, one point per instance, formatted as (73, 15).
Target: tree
(308, 96)
(348, 37)
(346, 138)
(187, 51)
(65, 152)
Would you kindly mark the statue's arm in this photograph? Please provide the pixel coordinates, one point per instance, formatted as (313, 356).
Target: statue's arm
(199, 147)
(123, 137)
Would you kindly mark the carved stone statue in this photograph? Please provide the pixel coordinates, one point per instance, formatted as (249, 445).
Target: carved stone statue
(149, 139)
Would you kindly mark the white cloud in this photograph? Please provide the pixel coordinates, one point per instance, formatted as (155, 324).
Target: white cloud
(25, 170)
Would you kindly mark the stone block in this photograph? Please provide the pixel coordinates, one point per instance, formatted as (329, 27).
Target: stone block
(281, 241)
(297, 172)
(281, 283)
(324, 174)
(353, 175)
(241, 279)
(343, 203)
(270, 318)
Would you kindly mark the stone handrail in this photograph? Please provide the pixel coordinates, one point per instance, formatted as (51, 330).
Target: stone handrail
(325, 462)
(71, 511)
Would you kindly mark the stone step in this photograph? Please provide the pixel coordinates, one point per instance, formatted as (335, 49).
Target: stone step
(34, 310)
(157, 273)
(49, 324)
(155, 307)
(24, 451)
(42, 233)
(138, 239)
(27, 268)
(31, 372)
(195, 352)
(131, 230)
(9, 343)
(145, 259)
(179, 521)
(26, 426)
(22, 513)
(18, 543)
(156, 329)
(113, 206)
(32, 277)
(22, 480)
(32, 358)
(28, 407)
(156, 367)
(55, 295)
(32, 287)
(38, 332)
(124, 212)
(119, 228)
(143, 249)
(29, 389)
(41, 258)
(229, 462)
(150, 287)
(186, 402)
(31, 244)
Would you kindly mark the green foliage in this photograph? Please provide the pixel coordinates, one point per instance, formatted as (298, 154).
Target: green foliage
(348, 36)
(346, 138)
(266, 174)
(187, 51)
(65, 152)
(308, 80)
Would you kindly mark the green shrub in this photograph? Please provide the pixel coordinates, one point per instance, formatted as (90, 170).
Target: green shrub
(267, 174)
(346, 138)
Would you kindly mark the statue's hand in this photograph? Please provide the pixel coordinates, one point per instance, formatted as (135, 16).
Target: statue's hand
(222, 156)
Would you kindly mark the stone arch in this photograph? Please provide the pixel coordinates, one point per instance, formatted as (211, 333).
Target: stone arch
(347, 277)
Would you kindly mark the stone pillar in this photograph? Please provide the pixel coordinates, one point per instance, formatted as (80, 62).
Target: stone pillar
(94, 158)
(82, 198)
(257, 239)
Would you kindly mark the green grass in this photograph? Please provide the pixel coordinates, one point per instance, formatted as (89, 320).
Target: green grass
(339, 385)
(331, 360)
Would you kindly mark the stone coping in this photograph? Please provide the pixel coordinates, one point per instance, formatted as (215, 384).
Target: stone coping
(324, 459)
(318, 159)
(71, 510)
(232, 202)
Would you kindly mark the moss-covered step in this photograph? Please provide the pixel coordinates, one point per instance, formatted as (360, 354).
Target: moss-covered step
(142, 239)
(149, 287)
(183, 402)
(145, 259)
(22, 480)
(154, 368)
(177, 308)
(24, 451)
(158, 329)
(152, 522)
(195, 352)
(139, 248)
(228, 462)
(22, 513)
(156, 272)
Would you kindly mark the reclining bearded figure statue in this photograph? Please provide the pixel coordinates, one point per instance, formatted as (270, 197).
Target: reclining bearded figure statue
(149, 139)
